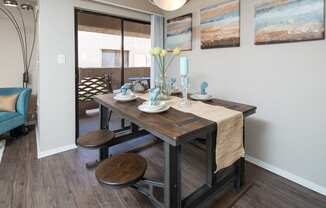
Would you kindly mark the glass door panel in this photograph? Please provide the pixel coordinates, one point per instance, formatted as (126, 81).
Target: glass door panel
(137, 43)
(99, 64)
(99, 46)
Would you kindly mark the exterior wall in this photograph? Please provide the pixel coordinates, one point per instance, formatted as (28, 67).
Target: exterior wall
(91, 45)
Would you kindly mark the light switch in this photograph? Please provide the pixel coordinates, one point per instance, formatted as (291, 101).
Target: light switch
(61, 59)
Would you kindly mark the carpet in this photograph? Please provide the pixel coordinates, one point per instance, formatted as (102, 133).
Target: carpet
(2, 148)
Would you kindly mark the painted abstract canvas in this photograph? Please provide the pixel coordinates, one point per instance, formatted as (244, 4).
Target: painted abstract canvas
(179, 33)
(281, 21)
(220, 25)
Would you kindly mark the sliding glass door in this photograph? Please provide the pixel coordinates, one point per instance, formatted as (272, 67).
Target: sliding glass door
(137, 43)
(110, 51)
(99, 47)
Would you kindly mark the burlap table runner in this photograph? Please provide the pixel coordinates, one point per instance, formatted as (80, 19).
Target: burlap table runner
(229, 141)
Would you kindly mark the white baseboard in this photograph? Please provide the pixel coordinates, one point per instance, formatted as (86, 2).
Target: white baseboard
(37, 140)
(55, 151)
(285, 174)
(2, 148)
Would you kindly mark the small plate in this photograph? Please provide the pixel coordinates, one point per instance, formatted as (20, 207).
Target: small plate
(161, 105)
(125, 98)
(144, 108)
(201, 97)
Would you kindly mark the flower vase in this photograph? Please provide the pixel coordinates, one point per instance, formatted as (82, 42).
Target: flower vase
(163, 59)
(163, 86)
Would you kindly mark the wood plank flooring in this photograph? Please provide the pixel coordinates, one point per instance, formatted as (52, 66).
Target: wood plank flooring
(62, 181)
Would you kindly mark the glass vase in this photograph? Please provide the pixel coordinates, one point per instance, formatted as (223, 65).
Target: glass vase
(162, 84)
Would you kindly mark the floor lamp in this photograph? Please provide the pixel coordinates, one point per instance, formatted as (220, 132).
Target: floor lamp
(16, 12)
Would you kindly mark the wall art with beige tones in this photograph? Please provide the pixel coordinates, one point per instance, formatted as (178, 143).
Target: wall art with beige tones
(220, 25)
(275, 21)
(279, 21)
(179, 33)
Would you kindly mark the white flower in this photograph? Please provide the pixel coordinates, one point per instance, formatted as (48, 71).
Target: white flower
(176, 51)
(163, 53)
(157, 51)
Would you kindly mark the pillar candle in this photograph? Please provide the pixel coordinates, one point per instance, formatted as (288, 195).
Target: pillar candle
(184, 66)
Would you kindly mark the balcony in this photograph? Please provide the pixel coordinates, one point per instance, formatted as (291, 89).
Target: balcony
(97, 81)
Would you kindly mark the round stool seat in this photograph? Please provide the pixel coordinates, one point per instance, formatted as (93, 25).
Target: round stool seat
(122, 170)
(96, 139)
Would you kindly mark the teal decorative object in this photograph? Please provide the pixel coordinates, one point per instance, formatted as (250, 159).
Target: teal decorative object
(203, 88)
(125, 88)
(153, 96)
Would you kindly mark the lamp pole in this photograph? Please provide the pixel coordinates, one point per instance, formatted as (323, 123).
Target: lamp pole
(16, 18)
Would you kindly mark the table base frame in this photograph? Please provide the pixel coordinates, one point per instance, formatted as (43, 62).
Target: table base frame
(172, 174)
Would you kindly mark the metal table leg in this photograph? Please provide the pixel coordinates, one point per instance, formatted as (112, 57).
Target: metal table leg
(104, 151)
(172, 176)
(146, 187)
(104, 116)
(242, 164)
(240, 168)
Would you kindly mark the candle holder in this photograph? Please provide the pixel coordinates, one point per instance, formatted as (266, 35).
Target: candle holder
(184, 86)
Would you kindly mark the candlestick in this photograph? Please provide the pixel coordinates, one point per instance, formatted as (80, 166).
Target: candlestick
(184, 86)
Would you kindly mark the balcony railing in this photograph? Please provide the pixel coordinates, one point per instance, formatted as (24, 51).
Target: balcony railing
(97, 81)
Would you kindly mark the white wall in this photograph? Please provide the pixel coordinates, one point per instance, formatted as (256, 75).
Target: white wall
(287, 84)
(56, 115)
(12, 69)
(56, 84)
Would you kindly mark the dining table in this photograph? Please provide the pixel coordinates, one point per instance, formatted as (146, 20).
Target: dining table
(175, 129)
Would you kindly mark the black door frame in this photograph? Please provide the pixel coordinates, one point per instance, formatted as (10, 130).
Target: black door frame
(123, 19)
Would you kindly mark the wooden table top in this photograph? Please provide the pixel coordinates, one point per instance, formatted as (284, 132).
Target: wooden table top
(173, 126)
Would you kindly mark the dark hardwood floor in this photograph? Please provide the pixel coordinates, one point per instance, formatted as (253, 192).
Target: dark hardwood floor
(62, 181)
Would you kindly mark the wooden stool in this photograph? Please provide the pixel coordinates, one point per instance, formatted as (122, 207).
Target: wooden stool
(122, 170)
(127, 170)
(99, 139)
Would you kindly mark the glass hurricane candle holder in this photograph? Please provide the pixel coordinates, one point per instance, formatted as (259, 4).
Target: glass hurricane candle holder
(184, 86)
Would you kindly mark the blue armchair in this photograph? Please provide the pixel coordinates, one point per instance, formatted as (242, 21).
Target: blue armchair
(12, 120)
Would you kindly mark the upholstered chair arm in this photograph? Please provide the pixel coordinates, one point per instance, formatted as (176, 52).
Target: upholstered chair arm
(23, 102)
